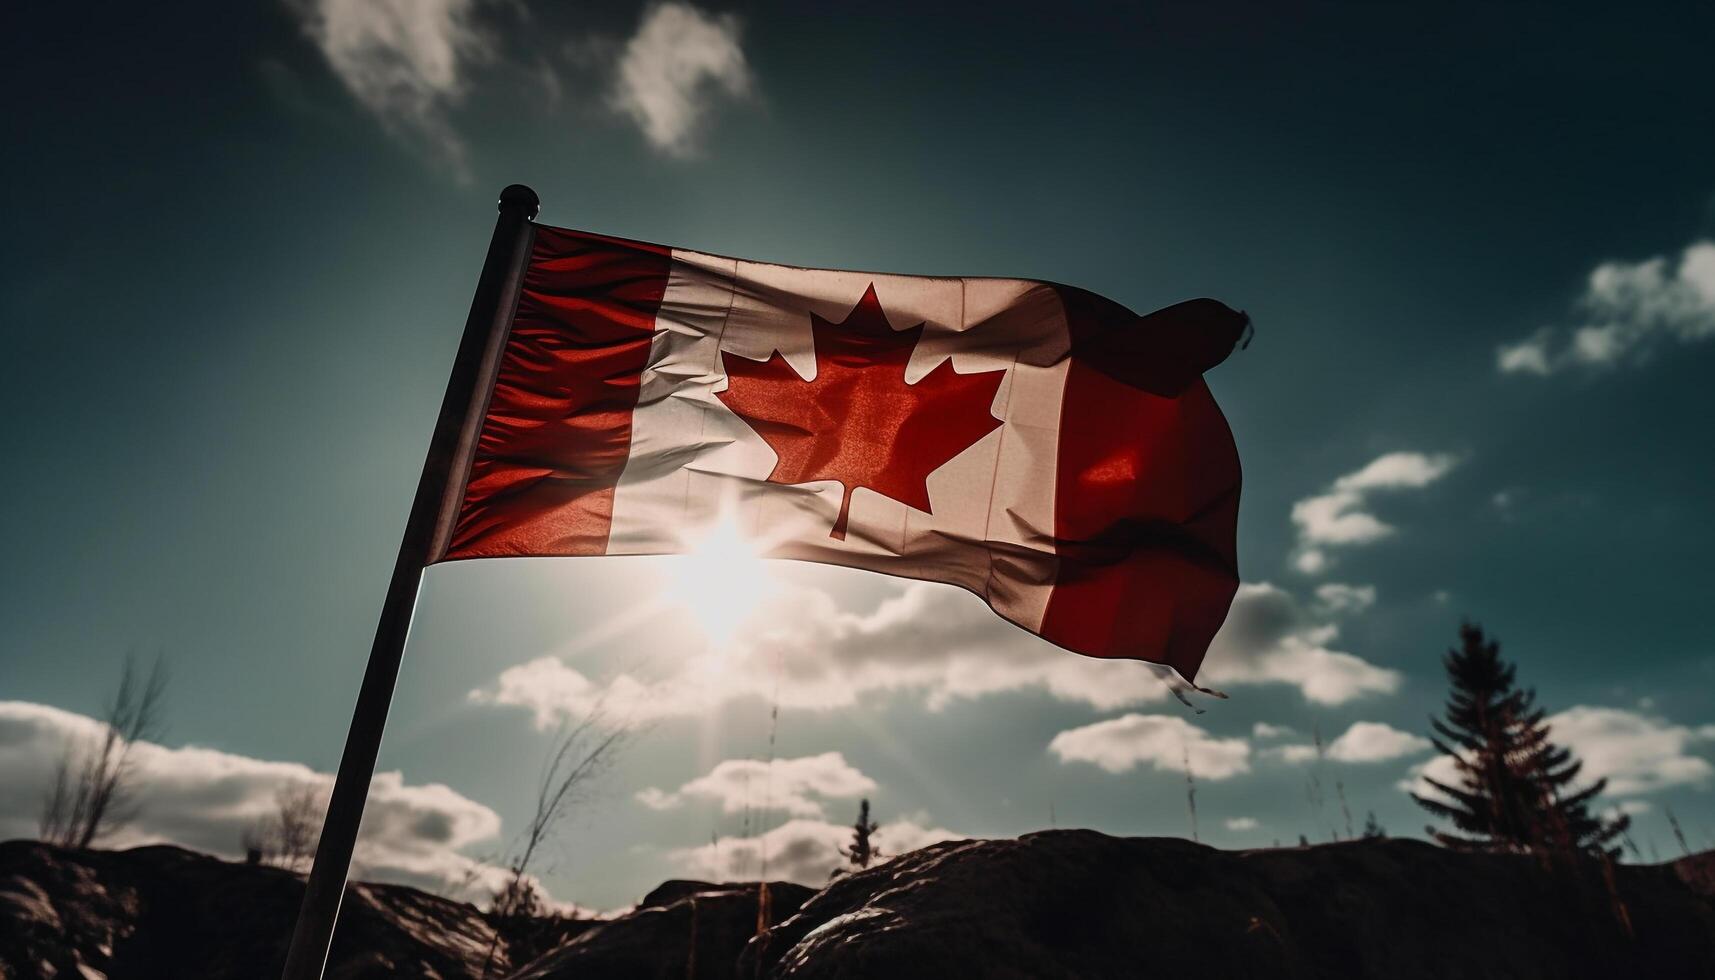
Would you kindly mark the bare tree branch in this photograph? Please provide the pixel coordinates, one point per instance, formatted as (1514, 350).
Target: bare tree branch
(287, 837)
(579, 755)
(92, 793)
(57, 807)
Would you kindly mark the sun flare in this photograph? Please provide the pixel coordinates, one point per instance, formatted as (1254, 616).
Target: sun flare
(720, 578)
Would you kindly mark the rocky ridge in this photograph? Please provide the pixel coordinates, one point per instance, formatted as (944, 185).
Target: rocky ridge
(1052, 904)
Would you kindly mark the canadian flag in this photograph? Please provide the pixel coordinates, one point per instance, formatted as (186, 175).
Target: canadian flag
(1045, 448)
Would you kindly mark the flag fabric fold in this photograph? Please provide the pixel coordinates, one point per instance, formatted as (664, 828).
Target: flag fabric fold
(1041, 446)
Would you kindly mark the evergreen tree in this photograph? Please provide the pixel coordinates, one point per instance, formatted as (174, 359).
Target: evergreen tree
(1514, 791)
(862, 852)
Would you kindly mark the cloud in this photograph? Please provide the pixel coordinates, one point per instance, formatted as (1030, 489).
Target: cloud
(1373, 741)
(796, 786)
(1365, 741)
(937, 643)
(934, 642)
(1263, 729)
(1269, 638)
(409, 63)
(1627, 311)
(1166, 742)
(1338, 517)
(656, 798)
(1339, 598)
(1439, 768)
(406, 61)
(1527, 356)
(204, 799)
(1241, 823)
(673, 68)
(801, 850)
(1506, 500)
(1395, 471)
(1637, 753)
(548, 689)
(1293, 754)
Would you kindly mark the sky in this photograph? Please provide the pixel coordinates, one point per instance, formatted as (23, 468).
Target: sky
(1477, 240)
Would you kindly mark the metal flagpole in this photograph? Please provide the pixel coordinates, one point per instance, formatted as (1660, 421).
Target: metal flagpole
(428, 532)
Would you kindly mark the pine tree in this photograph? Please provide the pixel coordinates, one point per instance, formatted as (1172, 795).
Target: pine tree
(1514, 790)
(862, 852)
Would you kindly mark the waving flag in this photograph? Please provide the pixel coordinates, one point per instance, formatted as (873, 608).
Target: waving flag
(1043, 447)
(1040, 446)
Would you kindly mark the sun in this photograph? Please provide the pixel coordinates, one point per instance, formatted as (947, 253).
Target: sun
(720, 578)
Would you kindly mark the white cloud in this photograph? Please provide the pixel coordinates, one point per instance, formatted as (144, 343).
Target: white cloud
(1527, 356)
(204, 799)
(1373, 741)
(1240, 824)
(656, 798)
(1628, 309)
(1365, 741)
(409, 63)
(796, 786)
(1635, 752)
(1338, 517)
(1439, 768)
(1269, 638)
(1397, 471)
(406, 61)
(548, 689)
(801, 850)
(1638, 753)
(930, 641)
(1338, 598)
(1263, 729)
(1166, 742)
(1293, 754)
(672, 68)
(937, 643)
(1335, 518)
(1311, 561)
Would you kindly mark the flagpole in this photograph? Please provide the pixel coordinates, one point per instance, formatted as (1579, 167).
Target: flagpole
(428, 531)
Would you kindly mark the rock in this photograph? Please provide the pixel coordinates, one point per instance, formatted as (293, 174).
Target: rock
(1082, 904)
(682, 929)
(59, 918)
(1698, 872)
(168, 912)
(1053, 904)
(781, 893)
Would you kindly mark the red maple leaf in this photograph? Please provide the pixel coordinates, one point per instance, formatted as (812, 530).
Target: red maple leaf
(858, 421)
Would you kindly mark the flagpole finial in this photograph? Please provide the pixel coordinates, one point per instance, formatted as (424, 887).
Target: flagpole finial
(521, 198)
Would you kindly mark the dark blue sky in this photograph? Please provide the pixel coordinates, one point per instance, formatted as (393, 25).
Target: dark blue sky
(240, 240)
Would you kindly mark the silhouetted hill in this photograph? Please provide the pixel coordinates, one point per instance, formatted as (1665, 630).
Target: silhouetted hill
(1053, 904)
(1082, 904)
(167, 912)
